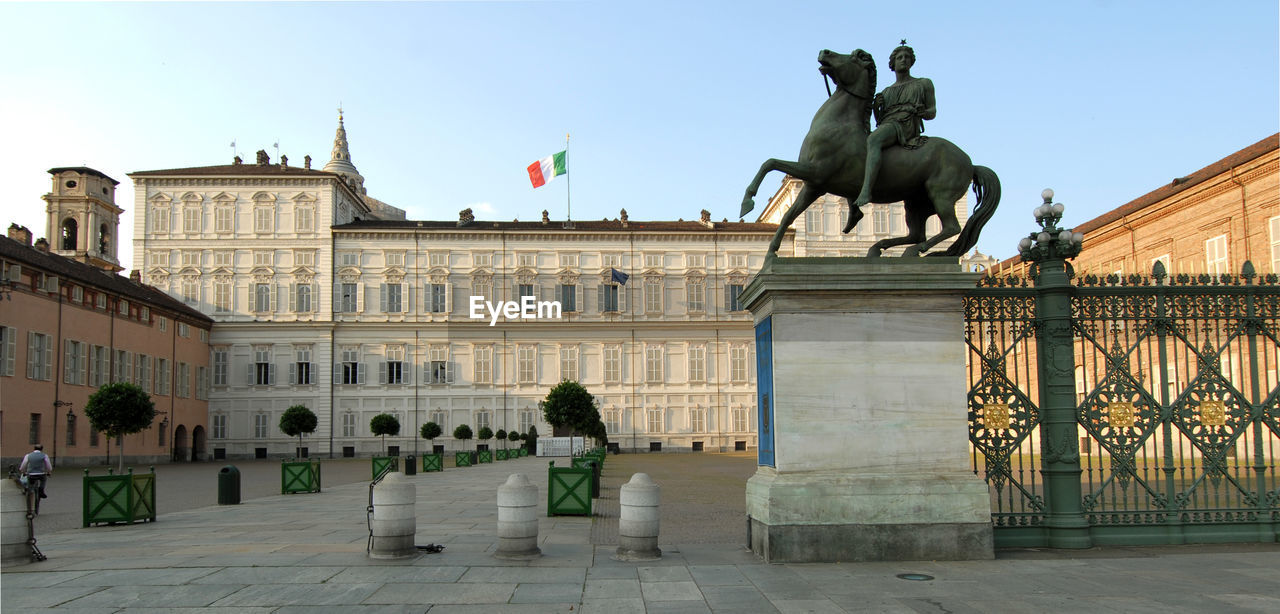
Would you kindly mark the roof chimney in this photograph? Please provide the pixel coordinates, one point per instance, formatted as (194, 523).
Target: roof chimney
(135, 276)
(623, 217)
(306, 162)
(546, 219)
(237, 161)
(284, 162)
(263, 158)
(42, 245)
(706, 219)
(465, 217)
(20, 234)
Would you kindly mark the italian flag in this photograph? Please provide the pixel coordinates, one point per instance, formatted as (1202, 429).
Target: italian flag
(546, 169)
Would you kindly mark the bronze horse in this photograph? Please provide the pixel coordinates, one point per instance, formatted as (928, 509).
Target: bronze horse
(928, 179)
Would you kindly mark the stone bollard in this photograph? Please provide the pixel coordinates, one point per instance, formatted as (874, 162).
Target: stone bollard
(638, 520)
(394, 523)
(518, 519)
(13, 525)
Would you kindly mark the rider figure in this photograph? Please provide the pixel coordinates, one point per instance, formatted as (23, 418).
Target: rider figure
(900, 112)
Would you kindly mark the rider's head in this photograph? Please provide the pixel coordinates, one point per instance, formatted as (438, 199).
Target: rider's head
(904, 52)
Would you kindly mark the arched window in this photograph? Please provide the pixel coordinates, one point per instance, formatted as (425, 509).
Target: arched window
(70, 233)
(104, 240)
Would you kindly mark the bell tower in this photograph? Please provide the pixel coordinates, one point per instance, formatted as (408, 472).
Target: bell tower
(83, 218)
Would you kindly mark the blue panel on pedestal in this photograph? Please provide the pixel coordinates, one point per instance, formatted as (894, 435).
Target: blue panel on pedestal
(764, 386)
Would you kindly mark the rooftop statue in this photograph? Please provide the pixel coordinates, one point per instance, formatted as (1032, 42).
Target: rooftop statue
(842, 156)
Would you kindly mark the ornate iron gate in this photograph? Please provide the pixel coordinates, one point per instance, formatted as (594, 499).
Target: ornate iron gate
(1172, 427)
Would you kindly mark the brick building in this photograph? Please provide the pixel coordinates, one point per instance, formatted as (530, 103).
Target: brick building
(69, 324)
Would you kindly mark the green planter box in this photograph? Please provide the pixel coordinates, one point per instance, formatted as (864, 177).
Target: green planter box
(568, 491)
(124, 498)
(462, 459)
(499, 455)
(382, 462)
(432, 462)
(523, 452)
(299, 476)
(484, 456)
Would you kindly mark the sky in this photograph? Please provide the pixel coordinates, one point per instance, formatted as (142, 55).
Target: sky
(671, 106)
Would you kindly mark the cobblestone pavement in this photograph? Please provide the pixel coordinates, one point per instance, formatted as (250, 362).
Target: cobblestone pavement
(306, 553)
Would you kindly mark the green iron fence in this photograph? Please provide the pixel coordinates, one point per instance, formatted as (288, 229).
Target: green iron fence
(1139, 410)
(119, 498)
(299, 476)
(568, 490)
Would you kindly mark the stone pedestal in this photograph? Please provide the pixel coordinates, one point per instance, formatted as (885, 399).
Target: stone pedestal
(863, 417)
(394, 523)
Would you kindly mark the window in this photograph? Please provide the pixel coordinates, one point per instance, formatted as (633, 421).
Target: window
(439, 298)
(159, 220)
(77, 294)
(204, 335)
(613, 364)
(263, 218)
(698, 420)
(260, 426)
(142, 372)
(124, 362)
(483, 356)
(350, 298)
(813, 221)
(527, 260)
(219, 422)
(737, 261)
(349, 370)
(611, 260)
(123, 307)
(350, 259)
(653, 363)
(738, 363)
(348, 425)
(93, 437)
(8, 349)
(100, 300)
(1215, 255)
(163, 323)
(482, 260)
(880, 221)
(191, 219)
(164, 379)
(438, 259)
(483, 419)
(523, 290)
(392, 295)
(190, 289)
(653, 261)
(609, 294)
(441, 418)
(568, 261)
(202, 383)
(656, 422)
(612, 421)
(33, 433)
(158, 260)
(184, 330)
(697, 294)
(526, 356)
(75, 362)
(697, 363)
(527, 419)
(304, 219)
(439, 369)
(301, 298)
(223, 258)
(301, 373)
(183, 388)
(392, 371)
(160, 432)
(695, 261)
(739, 420)
(731, 294)
(263, 372)
(394, 259)
(220, 364)
(569, 363)
(190, 258)
(99, 365)
(71, 430)
(222, 219)
(264, 259)
(262, 298)
(653, 295)
(568, 296)
(222, 296)
(482, 286)
(39, 356)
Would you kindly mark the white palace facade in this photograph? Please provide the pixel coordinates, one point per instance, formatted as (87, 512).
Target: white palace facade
(325, 297)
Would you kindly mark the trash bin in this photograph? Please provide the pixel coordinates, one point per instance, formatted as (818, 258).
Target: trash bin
(229, 486)
(595, 478)
(409, 467)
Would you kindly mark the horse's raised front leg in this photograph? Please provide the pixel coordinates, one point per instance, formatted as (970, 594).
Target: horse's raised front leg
(795, 169)
(807, 195)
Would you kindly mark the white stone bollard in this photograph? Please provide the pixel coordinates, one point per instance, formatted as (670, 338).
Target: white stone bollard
(13, 525)
(394, 523)
(638, 520)
(518, 519)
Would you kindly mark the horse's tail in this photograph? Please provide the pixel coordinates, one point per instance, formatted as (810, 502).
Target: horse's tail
(986, 186)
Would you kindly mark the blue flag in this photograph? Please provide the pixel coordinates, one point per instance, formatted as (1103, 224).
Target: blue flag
(619, 276)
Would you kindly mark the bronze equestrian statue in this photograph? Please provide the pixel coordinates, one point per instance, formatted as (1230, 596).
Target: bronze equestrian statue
(927, 174)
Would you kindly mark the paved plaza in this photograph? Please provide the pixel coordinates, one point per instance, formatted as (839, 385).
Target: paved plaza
(306, 553)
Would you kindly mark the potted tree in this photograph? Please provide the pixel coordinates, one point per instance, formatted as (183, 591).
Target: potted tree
(383, 424)
(120, 409)
(298, 475)
(464, 457)
(432, 461)
(297, 421)
(116, 410)
(484, 455)
(501, 436)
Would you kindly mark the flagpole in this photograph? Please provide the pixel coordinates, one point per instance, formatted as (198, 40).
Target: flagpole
(568, 202)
